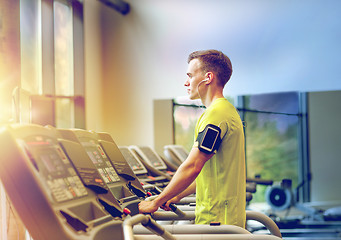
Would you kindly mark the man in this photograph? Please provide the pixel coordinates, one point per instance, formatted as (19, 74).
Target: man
(215, 167)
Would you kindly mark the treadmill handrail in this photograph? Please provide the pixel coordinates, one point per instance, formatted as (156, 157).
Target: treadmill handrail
(147, 222)
(265, 220)
(197, 229)
(160, 230)
(181, 214)
(250, 215)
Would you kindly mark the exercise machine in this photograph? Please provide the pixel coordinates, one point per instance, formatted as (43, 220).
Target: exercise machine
(59, 192)
(308, 220)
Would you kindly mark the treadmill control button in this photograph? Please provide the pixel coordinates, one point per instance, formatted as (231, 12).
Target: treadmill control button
(151, 177)
(126, 211)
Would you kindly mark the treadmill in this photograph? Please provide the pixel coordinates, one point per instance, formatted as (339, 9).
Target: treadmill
(59, 193)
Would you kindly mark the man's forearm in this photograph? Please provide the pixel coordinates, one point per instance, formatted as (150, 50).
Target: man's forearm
(190, 190)
(184, 176)
(181, 180)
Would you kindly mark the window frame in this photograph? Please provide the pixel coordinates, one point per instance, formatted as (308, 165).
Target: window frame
(48, 58)
(304, 174)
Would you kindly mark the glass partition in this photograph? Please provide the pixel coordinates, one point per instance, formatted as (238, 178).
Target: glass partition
(272, 137)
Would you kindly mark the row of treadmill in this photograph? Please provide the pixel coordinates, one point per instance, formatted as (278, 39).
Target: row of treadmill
(78, 184)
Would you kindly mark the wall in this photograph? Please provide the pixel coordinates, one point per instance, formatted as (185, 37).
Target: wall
(93, 66)
(325, 151)
(163, 124)
(274, 46)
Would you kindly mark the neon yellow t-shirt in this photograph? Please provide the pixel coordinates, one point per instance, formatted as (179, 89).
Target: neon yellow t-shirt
(220, 192)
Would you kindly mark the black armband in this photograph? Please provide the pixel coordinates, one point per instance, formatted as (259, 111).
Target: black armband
(209, 139)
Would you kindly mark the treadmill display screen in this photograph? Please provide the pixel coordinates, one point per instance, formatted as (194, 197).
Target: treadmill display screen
(182, 153)
(133, 163)
(53, 165)
(155, 161)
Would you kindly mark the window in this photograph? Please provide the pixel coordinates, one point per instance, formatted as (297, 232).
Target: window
(30, 46)
(63, 61)
(52, 66)
(273, 138)
(63, 49)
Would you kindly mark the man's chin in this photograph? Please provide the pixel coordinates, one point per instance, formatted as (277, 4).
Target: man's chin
(193, 97)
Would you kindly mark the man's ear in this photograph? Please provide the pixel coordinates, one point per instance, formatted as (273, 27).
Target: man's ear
(209, 77)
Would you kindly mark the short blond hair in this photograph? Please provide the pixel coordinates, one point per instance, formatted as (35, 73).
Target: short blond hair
(214, 61)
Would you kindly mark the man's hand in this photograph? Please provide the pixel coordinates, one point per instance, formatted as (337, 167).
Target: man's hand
(166, 207)
(147, 207)
(182, 182)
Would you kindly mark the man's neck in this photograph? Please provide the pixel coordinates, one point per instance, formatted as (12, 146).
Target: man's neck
(209, 98)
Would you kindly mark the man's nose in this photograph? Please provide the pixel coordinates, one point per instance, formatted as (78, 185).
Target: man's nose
(186, 84)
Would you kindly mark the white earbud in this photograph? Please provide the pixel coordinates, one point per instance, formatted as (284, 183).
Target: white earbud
(205, 80)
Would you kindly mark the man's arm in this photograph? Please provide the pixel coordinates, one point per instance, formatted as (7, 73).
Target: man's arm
(182, 179)
(190, 190)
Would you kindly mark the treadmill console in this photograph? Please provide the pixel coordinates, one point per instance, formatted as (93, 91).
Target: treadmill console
(101, 162)
(53, 198)
(133, 161)
(54, 167)
(150, 156)
(176, 154)
(122, 185)
(181, 152)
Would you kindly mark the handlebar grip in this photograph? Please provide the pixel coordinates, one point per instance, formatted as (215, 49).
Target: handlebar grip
(260, 181)
(173, 207)
(156, 190)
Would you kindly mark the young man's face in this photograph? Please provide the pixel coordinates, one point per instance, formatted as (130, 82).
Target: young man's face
(195, 76)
